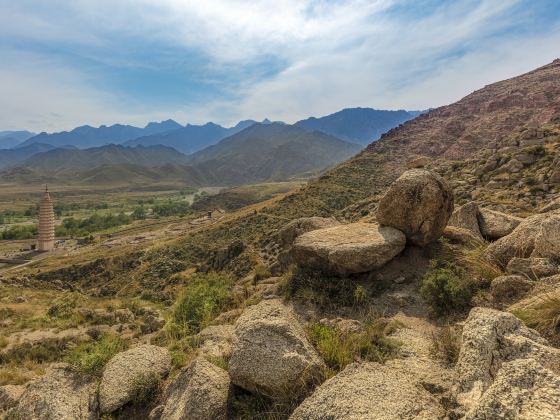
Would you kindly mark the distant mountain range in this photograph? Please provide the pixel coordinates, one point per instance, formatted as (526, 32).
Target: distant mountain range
(358, 125)
(9, 139)
(260, 152)
(271, 152)
(355, 125)
(86, 136)
(191, 138)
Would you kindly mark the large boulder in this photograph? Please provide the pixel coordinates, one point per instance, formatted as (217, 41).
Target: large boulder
(273, 356)
(351, 248)
(419, 203)
(297, 227)
(141, 366)
(370, 391)
(492, 337)
(60, 394)
(495, 225)
(523, 389)
(532, 268)
(466, 217)
(200, 391)
(519, 243)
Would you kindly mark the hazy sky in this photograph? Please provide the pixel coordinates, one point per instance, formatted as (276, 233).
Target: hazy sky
(73, 62)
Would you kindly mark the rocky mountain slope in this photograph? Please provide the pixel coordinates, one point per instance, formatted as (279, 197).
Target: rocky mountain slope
(9, 139)
(357, 125)
(412, 297)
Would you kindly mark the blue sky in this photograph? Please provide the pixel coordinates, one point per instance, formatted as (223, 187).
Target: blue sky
(68, 63)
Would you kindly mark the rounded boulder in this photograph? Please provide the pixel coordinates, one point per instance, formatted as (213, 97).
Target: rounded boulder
(419, 203)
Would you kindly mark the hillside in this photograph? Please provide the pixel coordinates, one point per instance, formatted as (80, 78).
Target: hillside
(357, 125)
(191, 138)
(10, 157)
(86, 136)
(271, 152)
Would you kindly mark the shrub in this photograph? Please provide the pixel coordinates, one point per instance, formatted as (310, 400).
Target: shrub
(261, 273)
(63, 307)
(203, 298)
(446, 288)
(318, 288)
(339, 348)
(91, 357)
(446, 345)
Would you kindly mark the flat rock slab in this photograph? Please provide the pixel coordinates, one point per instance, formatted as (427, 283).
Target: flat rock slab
(347, 249)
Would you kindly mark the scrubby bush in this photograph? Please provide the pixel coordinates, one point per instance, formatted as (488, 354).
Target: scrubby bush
(63, 307)
(446, 345)
(446, 288)
(18, 232)
(261, 273)
(339, 348)
(91, 357)
(203, 297)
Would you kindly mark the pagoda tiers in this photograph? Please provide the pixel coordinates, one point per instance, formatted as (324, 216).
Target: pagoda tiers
(45, 240)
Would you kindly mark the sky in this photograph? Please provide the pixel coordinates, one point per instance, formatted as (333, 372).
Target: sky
(65, 63)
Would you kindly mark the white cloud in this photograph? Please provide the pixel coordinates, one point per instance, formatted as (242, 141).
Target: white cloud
(334, 54)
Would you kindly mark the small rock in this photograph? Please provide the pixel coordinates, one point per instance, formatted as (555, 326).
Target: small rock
(199, 392)
(507, 289)
(466, 217)
(60, 394)
(126, 370)
(272, 355)
(495, 225)
(151, 324)
(532, 268)
(217, 341)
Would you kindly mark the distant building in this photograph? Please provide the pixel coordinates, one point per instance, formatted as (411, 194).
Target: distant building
(45, 240)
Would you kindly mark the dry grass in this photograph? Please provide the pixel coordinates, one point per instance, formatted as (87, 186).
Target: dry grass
(476, 262)
(446, 345)
(543, 315)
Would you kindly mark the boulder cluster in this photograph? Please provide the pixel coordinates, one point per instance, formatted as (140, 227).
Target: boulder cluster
(504, 369)
(414, 211)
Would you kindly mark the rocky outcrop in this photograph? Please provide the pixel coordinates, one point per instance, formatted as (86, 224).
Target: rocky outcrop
(351, 248)
(60, 394)
(370, 391)
(466, 217)
(523, 389)
(200, 391)
(495, 225)
(273, 356)
(419, 203)
(491, 339)
(532, 268)
(142, 366)
(295, 228)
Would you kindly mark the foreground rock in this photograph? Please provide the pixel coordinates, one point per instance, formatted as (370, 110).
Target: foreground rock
(60, 394)
(419, 203)
(273, 356)
(523, 389)
(142, 366)
(508, 289)
(492, 387)
(295, 228)
(200, 392)
(345, 249)
(466, 217)
(495, 225)
(369, 391)
(217, 341)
